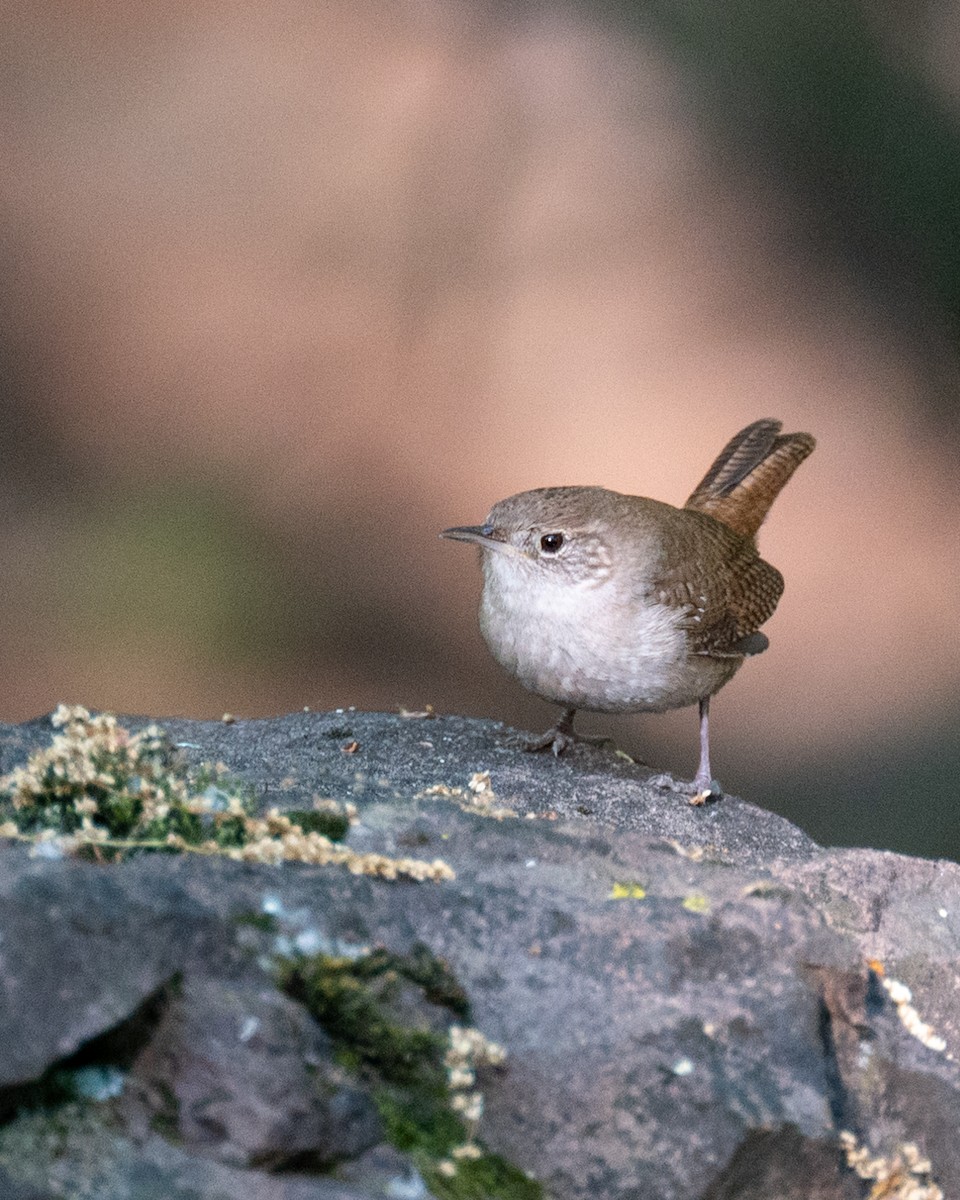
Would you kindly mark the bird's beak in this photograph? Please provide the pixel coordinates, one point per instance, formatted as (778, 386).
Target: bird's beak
(487, 536)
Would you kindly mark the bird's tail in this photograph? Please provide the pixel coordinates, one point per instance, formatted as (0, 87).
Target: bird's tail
(748, 474)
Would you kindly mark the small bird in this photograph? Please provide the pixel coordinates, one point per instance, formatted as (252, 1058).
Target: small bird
(611, 603)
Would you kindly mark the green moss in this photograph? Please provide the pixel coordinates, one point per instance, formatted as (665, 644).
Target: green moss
(421, 1123)
(230, 831)
(178, 821)
(404, 1066)
(424, 1127)
(421, 967)
(263, 921)
(433, 974)
(57, 814)
(339, 994)
(332, 825)
(111, 792)
(487, 1178)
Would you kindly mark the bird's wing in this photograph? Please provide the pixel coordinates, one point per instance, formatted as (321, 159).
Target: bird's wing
(723, 591)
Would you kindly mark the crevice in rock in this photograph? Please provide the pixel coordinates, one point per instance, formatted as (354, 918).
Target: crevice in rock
(116, 1047)
(842, 1029)
(837, 1096)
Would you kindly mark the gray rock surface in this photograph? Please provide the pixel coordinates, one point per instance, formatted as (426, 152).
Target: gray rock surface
(64, 932)
(11, 1190)
(684, 993)
(243, 1074)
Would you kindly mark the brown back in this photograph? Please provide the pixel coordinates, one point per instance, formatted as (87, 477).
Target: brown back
(748, 473)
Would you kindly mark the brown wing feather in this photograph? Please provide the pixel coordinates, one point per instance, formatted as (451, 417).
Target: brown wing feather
(724, 587)
(748, 474)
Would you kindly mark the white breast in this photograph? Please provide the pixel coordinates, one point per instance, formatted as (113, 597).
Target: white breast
(584, 646)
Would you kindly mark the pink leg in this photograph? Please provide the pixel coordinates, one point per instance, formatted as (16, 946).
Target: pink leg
(703, 780)
(703, 786)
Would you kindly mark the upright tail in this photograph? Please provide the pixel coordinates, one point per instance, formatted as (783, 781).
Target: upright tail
(748, 474)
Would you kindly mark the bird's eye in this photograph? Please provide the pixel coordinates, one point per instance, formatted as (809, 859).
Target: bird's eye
(550, 543)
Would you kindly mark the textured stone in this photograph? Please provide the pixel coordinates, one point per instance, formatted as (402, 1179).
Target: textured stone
(691, 999)
(238, 1072)
(79, 953)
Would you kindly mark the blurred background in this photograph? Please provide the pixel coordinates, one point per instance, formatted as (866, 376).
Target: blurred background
(287, 287)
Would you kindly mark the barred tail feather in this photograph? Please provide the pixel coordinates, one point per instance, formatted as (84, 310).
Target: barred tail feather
(748, 474)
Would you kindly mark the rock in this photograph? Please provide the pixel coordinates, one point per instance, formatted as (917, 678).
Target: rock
(384, 1171)
(10, 1190)
(83, 1153)
(696, 1002)
(79, 954)
(238, 1072)
(773, 1163)
(162, 1171)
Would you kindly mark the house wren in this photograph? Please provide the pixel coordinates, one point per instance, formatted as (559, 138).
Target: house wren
(611, 603)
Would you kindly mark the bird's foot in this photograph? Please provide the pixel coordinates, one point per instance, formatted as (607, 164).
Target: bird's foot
(698, 791)
(562, 736)
(560, 740)
(555, 739)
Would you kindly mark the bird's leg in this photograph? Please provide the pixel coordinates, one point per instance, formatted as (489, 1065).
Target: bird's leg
(703, 781)
(561, 736)
(703, 786)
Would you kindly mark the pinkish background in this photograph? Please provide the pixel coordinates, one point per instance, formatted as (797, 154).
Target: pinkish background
(291, 286)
